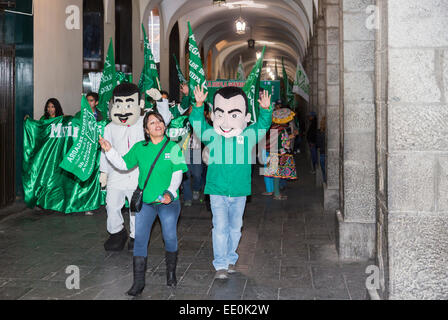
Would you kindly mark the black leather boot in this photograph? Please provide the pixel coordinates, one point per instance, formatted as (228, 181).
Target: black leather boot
(131, 244)
(116, 241)
(171, 263)
(139, 276)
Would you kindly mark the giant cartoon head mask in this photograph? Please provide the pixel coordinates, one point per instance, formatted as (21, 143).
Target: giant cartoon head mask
(125, 110)
(229, 114)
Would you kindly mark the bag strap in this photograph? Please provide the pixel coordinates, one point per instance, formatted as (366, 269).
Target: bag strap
(154, 163)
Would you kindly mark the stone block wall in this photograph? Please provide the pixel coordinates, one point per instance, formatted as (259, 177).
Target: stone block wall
(358, 202)
(417, 125)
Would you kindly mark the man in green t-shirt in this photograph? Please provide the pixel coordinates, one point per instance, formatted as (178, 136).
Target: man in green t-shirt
(230, 142)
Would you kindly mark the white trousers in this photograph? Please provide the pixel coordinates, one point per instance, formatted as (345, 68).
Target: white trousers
(115, 200)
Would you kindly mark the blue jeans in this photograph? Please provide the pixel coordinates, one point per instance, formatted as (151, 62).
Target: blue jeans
(322, 165)
(313, 150)
(195, 171)
(268, 181)
(226, 234)
(168, 215)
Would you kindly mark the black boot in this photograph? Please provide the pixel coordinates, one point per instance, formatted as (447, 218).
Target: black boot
(116, 241)
(171, 262)
(131, 244)
(139, 276)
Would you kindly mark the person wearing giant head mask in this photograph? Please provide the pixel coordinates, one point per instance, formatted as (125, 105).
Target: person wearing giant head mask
(123, 132)
(230, 142)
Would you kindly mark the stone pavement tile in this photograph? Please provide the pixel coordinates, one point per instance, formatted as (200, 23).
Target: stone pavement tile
(183, 289)
(61, 275)
(202, 264)
(295, 294)
(331, 294)
(327, 277)
(196, 278)
(13, 293)
(156, 292)
(323, 252)
(301, 273)
(254, 291)
(294, 260)
(188, 297)
(45, 293)
(229, 289)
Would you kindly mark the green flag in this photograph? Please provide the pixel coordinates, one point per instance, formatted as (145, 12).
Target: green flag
(288, 96)
(108, 82)
(276, 70)
(149, 78)
(122, 77)
(197, 74)
(180, 75)
(252, 86)
(45, 183)
(240, 73)
(80, 159)
(301, 83)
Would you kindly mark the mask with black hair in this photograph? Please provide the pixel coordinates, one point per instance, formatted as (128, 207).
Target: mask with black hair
(230, 114)
(126, 104)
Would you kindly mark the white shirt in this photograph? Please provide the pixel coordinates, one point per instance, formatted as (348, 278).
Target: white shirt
(122, 138)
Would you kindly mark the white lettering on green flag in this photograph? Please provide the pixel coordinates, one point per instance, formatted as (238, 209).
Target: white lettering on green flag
(197, 74)
(80, 159)
(301, 83)
(252, 86)
(149, 78)
(108, 82)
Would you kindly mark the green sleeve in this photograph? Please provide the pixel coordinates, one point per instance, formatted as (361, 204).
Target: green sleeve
(264, 123)
(185, 103)
(197, 121)
(175, 112)
(130, 158)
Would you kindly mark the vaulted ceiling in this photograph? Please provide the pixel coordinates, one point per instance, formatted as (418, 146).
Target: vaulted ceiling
(284, 26)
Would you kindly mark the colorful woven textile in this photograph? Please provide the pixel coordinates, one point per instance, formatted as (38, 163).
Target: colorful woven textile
(281, 166)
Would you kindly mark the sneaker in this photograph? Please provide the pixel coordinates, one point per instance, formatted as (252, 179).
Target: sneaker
(221, 274)
(89, 213)
(231, 269)
(196, 195)
(188, 203)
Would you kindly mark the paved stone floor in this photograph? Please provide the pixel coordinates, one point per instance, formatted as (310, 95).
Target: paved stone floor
(287, 251)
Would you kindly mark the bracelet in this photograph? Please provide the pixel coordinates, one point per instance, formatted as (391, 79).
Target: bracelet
(169, 194)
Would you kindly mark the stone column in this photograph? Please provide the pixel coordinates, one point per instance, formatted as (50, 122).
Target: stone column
(357, 213)
(331, 188)
(321, 68)
(417, 180)
(313, 81)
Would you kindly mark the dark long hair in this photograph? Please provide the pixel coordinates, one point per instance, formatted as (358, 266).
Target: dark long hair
(57, 106)
(145, 123)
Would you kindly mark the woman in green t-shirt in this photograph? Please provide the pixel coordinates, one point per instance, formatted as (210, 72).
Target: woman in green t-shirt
(160, 197)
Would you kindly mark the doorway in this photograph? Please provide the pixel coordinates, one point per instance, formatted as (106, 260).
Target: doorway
(7, 107)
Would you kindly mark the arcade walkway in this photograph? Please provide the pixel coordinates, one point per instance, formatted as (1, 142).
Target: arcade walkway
(287, 252)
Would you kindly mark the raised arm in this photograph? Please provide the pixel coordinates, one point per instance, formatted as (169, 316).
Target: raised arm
(265, 118)
(197, 119)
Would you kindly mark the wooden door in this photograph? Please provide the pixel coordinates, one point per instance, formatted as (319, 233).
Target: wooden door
(7, 107)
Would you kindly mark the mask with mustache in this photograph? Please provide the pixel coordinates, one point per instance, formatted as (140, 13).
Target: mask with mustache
(125, 111)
